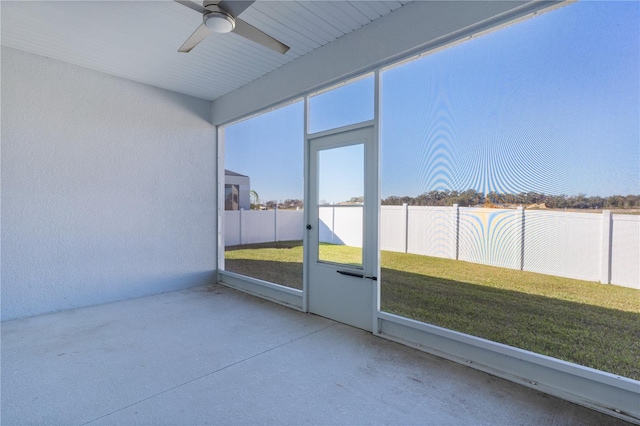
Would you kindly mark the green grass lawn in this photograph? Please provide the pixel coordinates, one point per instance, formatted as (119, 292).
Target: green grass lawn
(578, 321)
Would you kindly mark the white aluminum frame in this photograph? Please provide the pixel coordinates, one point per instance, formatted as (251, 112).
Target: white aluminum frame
(608, 393)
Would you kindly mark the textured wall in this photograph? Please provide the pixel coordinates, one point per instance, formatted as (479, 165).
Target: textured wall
(107, 188)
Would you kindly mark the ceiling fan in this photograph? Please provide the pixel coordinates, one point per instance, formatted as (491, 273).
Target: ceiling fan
(222, 17)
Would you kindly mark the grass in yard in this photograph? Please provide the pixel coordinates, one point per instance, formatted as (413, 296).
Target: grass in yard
(578, 321)
(279, 262)
(340, 254)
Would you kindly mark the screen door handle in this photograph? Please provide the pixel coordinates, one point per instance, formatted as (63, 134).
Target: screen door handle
(351, 274)
(357, 275)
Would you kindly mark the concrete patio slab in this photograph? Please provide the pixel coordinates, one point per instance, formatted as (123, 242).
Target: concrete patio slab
(212, 355)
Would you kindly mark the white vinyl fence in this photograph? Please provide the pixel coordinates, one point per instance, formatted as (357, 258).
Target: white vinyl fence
(588, 246)
(262, 226)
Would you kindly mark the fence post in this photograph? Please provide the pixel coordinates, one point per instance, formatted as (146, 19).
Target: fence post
(456, 232)
(333, 223)
(405, 227)
(605, 252)
(275, 224)
(240, 225)
(520, 212)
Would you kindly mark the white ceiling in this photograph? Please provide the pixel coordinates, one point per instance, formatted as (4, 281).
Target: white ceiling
(138, 40)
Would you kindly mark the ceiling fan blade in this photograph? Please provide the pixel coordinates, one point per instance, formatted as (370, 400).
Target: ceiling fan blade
(198, 35)
(191, 5)
(234, 7)
(252, 33)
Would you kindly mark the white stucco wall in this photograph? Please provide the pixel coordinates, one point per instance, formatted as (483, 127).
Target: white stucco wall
(108, 188)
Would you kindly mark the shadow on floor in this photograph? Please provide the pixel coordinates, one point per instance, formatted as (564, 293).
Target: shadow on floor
(593, 336)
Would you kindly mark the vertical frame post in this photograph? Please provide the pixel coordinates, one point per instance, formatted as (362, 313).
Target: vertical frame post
(220, 197)
(456, 232)
(306, 213)
(405, 227)
(275, 224)
(375, 201)
(605, 251)
(521, 235)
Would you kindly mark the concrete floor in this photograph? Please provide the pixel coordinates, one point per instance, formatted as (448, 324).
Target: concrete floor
(216, 356)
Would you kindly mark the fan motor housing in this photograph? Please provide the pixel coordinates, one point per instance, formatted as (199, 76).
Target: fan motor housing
(218, 19)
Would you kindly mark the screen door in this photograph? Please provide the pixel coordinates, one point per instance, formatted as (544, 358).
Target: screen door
(342, 227)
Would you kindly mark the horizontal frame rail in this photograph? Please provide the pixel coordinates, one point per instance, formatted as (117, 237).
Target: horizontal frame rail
(613, 395)
(274, 292)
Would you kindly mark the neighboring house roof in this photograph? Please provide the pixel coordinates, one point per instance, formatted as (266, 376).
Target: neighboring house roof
(230, 173)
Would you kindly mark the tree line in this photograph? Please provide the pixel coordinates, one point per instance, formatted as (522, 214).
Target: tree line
(471, 198)
(286, 204)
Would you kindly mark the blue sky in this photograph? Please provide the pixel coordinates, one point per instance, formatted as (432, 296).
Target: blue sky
(341, 173)
(551, 105)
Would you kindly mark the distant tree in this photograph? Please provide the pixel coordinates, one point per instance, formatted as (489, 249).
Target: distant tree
(470, 198)
(596, 202)
(534, 198)
(615, 201)
(293, 203)
(392, 201)
(493, 198)
(254, 200)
